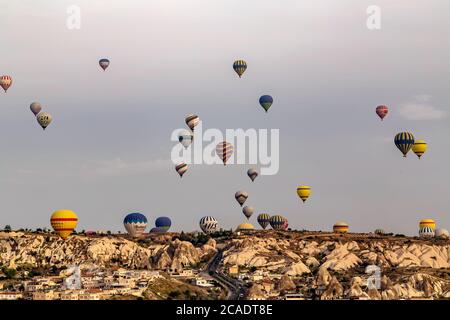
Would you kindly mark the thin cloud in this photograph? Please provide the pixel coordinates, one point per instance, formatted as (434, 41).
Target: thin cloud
(421, 109)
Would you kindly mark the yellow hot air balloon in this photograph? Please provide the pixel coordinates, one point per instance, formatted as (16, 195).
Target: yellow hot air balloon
(64, 222)
(427, 223)
(340, 227)
(419, 147)
(304, 192)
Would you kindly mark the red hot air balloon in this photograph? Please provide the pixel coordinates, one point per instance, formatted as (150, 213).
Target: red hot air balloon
(5, 82)
(382, 111)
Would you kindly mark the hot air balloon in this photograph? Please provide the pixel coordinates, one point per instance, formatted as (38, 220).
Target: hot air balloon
(181, 169)
(5, 82)
(263, 220)
(340, 227)
(252, 173)
(382, 111)
(277, 222)
(135, 224)
(266, 102)
(426, 232)
(380, 232)
(35, 107)
(224, 150)
(208, 224)
(245, 227)
(239, 67)
(185, 137)
(427, 223)
(248, 211)
(44, 119)
(164, 223)
(64, 222)
(304, 192)
(285, 224)
(241, 197)
(442, 234)
(104, 63)
(404, 142)
(156, 230)
(192, 120)
(419, 147)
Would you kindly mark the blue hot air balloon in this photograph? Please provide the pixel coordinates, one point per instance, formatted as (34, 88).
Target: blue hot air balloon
(163, 223)
(135, 224)
(156, 230)
(266, 102)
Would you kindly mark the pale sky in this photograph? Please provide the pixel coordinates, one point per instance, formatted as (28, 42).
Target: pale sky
(107, 152)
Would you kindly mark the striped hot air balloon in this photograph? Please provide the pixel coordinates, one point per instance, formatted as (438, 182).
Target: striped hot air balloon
(277, 222)
(104, 63)
(135, 224)
(380, 232)
(64, 222)
(5, 82)
(192, 120)
(419, 148)
(163, 223)
(404, 142)
(208, 224)
(263, 220)
(181, 168)
(224, 150)
(426, 232)
(304, 192)
(427, 223)
(382, 111)
(239, 67)
(241, 197)
(340, 227)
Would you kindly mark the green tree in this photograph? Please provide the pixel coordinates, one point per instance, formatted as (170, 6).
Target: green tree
(7, 228)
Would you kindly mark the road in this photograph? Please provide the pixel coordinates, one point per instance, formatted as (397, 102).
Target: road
(235, 288)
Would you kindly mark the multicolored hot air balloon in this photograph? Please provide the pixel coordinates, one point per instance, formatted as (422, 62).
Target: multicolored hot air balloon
(163, 223)
(241, 197)
(266, 102)
(181, 169)
(382, 111)
(285, 224)
(239, 67)
(192, 120)
(44, 119)
(5, 82)
(277, 222)
(224, 150)
(135, 224)
(340, 227)
(245, 227)
(419, 147)
(304, 192)
(208, 224)
(404, 142)
(185, 137)
(427, 223)
(427, 232)
(104, 63)
(35, 107)
(252, 174)
(64, 222)
(263, 220)
(248, 211)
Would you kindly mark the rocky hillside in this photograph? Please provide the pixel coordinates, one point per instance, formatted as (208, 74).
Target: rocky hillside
(19, 249)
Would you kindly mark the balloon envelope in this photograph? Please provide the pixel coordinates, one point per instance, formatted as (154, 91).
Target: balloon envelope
(224, 150)
(252, 174)
(163, 223)
(185, 137)
(192, 120)
(135, 224)
(241, 197)
(382, 111)
(304, 192)
(277, 222)
(248, 211)
(64, 222)
(266, 102)
(239, 67)
(181, 168)
(104, 63)
(263, 220)
(5, 82)
(44, 119)
(404, 142)
(208, 224)
(419, 148)
(35, 107)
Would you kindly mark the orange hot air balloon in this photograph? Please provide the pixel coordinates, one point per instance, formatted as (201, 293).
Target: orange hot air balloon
(64, 222)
